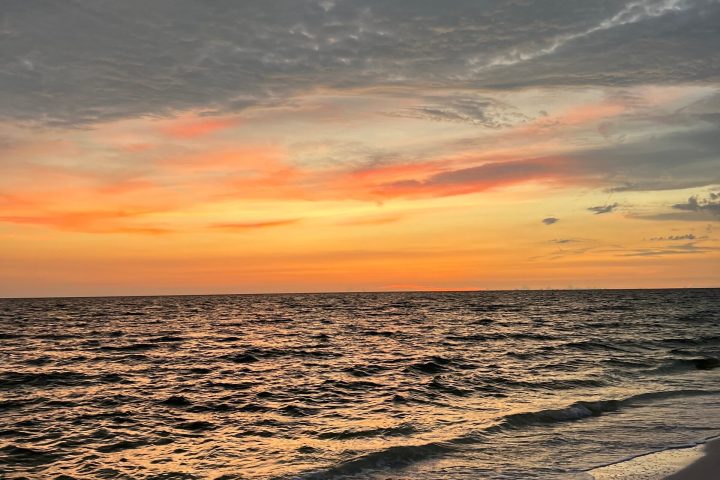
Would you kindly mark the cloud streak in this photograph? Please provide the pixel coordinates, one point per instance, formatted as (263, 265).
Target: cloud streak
(601, 209)
(478, 111)
(690, 248)
(258, 225)
(631, 13)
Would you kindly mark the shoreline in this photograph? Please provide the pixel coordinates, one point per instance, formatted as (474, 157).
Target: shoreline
(700, 461)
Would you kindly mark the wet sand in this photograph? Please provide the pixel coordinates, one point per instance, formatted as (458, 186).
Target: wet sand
(706, 468)
(700, 462)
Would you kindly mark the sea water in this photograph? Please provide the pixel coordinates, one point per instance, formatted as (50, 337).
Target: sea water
(464, 385)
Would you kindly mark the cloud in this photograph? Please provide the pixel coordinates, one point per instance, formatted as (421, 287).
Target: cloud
(697, 204)
(372, 220)
(550, 220)
(196, 127)
(633, 12)
(695, 209)
(684, 249)
(87, 62)
(460, 181)
(656, 158)
(676, 217)
(480, 111)
(672, 238)
(600, 209)
(92, 221)
(240, 226)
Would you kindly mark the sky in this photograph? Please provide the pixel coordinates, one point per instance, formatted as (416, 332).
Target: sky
(193, 147)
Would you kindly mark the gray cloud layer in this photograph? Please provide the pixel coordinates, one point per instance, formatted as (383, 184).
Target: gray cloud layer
(686, 158)
(86, 61)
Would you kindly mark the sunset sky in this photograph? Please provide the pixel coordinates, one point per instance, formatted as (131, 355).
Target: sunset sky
(291, 146)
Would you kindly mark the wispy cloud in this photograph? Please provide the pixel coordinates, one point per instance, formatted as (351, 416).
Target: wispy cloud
(480, 111)
(631, 13)
(372, 220)
(93, 221)
(564, 241)
(600, 209)
(190, 128)
(241, 226)
(690, 248)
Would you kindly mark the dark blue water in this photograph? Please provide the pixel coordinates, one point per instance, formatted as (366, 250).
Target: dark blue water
(496, 385)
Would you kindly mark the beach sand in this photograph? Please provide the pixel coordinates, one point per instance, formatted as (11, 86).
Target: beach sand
(701, 462)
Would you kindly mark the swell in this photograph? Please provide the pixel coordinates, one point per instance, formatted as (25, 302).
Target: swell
(401, 456)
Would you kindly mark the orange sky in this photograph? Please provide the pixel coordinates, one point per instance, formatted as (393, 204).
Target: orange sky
(208, 171)
(353, 200)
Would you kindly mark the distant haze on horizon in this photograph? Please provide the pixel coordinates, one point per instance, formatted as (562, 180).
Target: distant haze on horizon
(308, 146)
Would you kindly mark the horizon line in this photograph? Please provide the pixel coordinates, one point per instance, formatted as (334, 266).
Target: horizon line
(359, 292)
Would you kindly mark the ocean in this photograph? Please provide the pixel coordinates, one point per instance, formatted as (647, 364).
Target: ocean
(456, 385)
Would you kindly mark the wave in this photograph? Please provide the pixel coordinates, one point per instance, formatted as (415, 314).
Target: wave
(58, 378)
(43, 379)
(351, 385)
(401, 456)
(613, 346)
(703, 340)
(402, 430)
(429, 367)
(167, 339)
(121, 445)
(679, 365)
(364, 370)
(441, 385)
(554, 384)
(16, 404)
(22, 455)
(576, 411)
(9, 336)
(437, 364)
(584, 409)
(130, 347)
(253, 355)
(483, 337)
(196, 425)
(389, 458)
